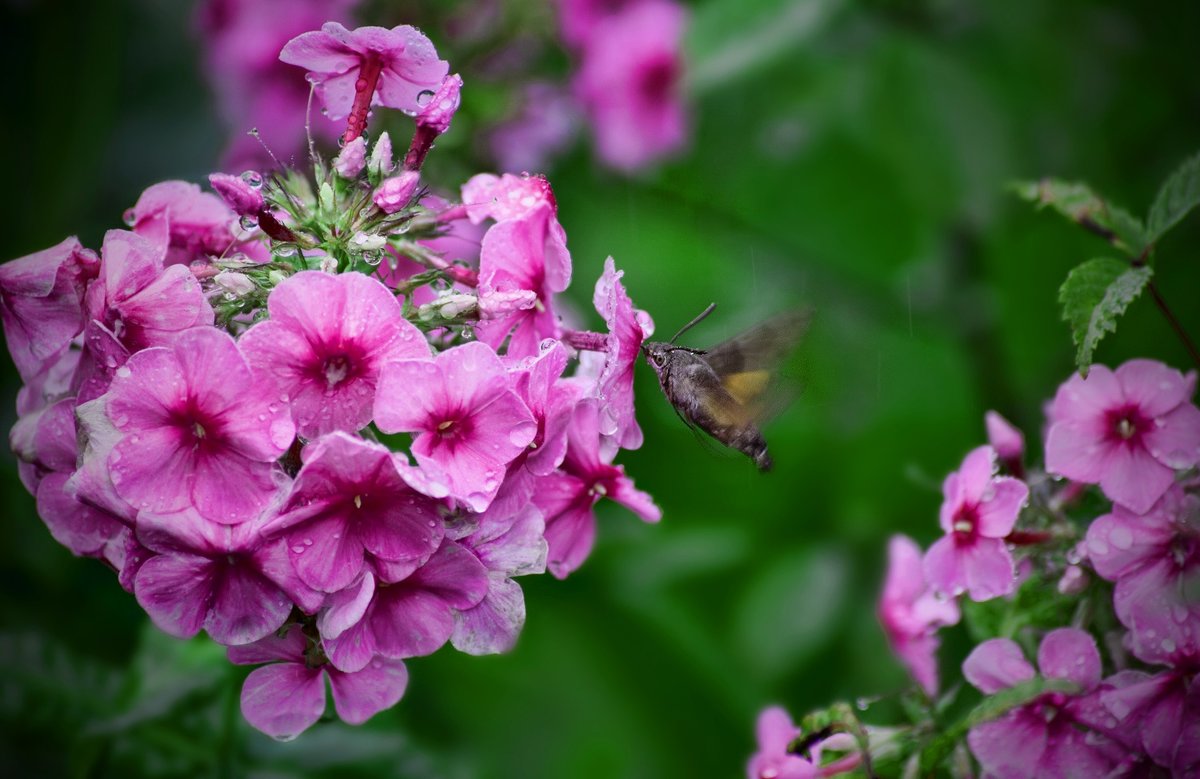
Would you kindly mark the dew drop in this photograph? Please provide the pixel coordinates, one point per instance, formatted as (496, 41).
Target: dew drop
(285, 250)
(1120, 537)
(1167, 645)
(298, 549)
(129, 217)
(423, 97)
(308, 541)
(248, 222)
(253, 178)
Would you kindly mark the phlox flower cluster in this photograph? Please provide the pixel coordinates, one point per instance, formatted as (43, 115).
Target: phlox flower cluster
(321, 420)
(1116, 691)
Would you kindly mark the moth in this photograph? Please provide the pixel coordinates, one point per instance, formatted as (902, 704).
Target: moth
(727, 390)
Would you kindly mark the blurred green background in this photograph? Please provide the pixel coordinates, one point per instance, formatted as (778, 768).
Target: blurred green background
(848, 155)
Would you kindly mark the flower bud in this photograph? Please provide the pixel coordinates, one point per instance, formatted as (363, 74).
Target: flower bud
(440, 109)
(394, 193)
(381, 156)
(365, 242)
(352, 158)
(244, 199)
(450, 305)
(235, 283)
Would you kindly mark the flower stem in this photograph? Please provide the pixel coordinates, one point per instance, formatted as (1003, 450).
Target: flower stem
(364, 90)
(1175, 325)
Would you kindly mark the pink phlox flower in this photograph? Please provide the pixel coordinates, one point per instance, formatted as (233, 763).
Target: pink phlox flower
(506, 197)
(773, 760)
(287, 696)
(1155, 561)
(238, 193)
(629, 83)
(337, 58)
(216, 577)
(439, 109)
(551, 401)
(409, 618)
(528, 254)
(979, 509)
(1127, 430)
(323, 347)
(348, 505)
(911, 613)
(1007, 440)
(508, 546)
(197, 431)
(543, 125)
(1155, 712)
(568, 497)
(41, 302)
(627, 329)
(91, 483)
(1059, 734)
(467, 420)
(186, 223)
(136, 303)
(394, 192)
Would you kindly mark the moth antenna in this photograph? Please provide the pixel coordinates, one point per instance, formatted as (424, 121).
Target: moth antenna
(694, 322)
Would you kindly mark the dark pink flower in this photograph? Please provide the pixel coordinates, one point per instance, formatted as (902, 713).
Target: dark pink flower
(197, 431)
(186, 223)
(351, 504)
(568, 497)
(911, 613)
(467, 421)
(1154, 711)
(324, 345)
(627, 328)
(366, 66)
(217, 577)
(1155, 561)
(1048, 738)
(629, 83)
(239, 193)
(542, 126)
(503, 198)
(577, 19)
(979, 509)
(1007, 440)
(41, 302)
(774, 760)
(286, 697)
(551, 402)
(528, 254)
(412, 617)
(1127, 430)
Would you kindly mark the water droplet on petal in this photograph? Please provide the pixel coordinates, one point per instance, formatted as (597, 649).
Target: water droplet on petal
(424, 96)
(253, 178)
(129, 217)
(1120, 537)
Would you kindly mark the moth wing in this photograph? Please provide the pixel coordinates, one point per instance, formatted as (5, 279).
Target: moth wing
(752, 366)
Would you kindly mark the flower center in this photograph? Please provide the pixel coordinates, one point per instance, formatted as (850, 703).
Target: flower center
(199, 432)
(1126, 423)
(658, 79)
(336, 369)
(965, 520)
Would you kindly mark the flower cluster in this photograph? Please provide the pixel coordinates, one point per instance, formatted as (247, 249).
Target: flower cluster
(1128, 580)
(307, 419)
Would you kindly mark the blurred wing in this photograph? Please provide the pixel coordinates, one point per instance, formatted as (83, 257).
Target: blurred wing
(750, 365)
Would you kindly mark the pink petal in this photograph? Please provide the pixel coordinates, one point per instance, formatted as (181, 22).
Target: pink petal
(1135, 479)
(1153, 387)
(175, 590)
(82, 529)
(1010, 747)
(409, 395)
(989, 568)
(1000, 506)
(270, 649)
(1007, 440)
(1119, 542)
(775, 730)
(1078, 450)
(995, 665)
(1174, 440)
(283, 700)
(359, 696)
(635, 500)
(323, 51)
(492, 626)
(1082, 400)
(1071, 654)
(246, 606)
(905, 580)
(976, 472)
(347, 607)
(944, 567)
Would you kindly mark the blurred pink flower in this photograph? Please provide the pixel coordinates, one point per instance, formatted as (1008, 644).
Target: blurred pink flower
(541, 127)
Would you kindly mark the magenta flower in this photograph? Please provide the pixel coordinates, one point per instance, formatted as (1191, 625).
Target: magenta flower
(188, 224)
(503, 198)
(410, 618)
(577, 19)
(911, 613)
(568, 497)
(354, 69)
(324, 345)
(198, 432)
(774, 760)
(1008, 441)
(238, 193)
(979, 509)
(350, 505)
(1127, 430)
(627, 328)
(551, 402)
(1158, 712)
(507, 546)
(1047, 738)
(433, 119)
(468, 422)
(217, 577)
(1155, 561)
(528, 254)
(287, 696)
(629, 83)
(41, 302)
(538, 131)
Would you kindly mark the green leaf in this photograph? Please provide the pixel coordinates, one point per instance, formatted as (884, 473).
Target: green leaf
(1094, 296)
(1178, 195)
(1076, 201)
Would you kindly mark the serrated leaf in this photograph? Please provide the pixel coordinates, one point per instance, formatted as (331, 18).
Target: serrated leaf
(1094, 296)
(1178, 195)
(1076, 201)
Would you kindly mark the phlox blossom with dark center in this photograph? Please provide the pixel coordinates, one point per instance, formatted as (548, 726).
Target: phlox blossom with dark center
(1049, 737)
(287, 696)
(978, 510)
(467, 421)
(505, 197)
(41, 302)
(629, 83)
(1127, 430)
(627, 329)
(409, 618)
(568, 497)
(324, 344)
(402, 60)
(222, 578)
(527, 254)
(1155, 561)
(197, 432)
(911, 613)
(351, 504)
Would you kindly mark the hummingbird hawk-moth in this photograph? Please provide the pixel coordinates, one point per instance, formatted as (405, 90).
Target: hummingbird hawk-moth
(727, 390)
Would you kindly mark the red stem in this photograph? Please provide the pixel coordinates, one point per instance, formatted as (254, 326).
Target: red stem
(364, 90)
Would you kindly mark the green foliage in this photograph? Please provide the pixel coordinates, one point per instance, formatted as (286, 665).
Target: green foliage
(1094, 296)
(1077, 201)
(1178, 195)
(1036, 604)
